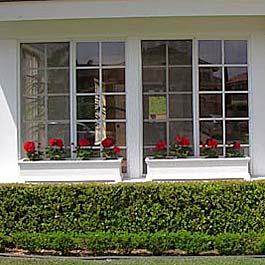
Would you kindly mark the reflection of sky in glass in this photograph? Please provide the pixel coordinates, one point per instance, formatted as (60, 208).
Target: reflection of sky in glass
(88, 53)
(236, 52)
(113, 53)
(210, 52)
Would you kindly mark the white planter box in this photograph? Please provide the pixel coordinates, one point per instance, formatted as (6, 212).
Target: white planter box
(197, 169)
(71, 171)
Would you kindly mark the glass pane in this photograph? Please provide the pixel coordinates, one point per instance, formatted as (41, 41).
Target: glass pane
(180, 106)
(210, 78)
(58, 54)
(154, 132)
(237, 131)
(113, 80)
(211, 129)
(236, 78)
(59, 131)
(33, 108)
(58, 81)
(33, 131)
(180, 52)
(113, 53)
(115, 131)
(32, 55)
(154, 79)
(87, 81)
(183, 128)
(32, 82)
(235, 51)
(113, 107)
(210, 52)
(123, 154)
(87, 54)
(58, 108)
(88, 107)
(90, 131)
(180, 79)
(236, 105)
(154, 52)
(219, 151)
(155, 107)
(211, 106)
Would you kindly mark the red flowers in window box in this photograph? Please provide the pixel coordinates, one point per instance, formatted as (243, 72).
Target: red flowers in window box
(84, 142)
(56, 142)
(109, 151)
(210, 148)
(32, 152)
(160, 149)
(181, 147)
(55, 150)
(234, 150)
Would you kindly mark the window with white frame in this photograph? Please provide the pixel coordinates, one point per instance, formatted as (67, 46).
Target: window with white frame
(93, 107)
(214, 106)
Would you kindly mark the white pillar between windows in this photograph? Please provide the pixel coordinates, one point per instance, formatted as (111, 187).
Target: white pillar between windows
(134, 107)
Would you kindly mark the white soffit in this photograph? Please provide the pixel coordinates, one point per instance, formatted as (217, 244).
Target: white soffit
(70, 9)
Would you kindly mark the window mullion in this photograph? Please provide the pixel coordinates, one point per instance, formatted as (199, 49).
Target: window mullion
(100, 97)
(223, 100)
(167, 99)
(45, 96)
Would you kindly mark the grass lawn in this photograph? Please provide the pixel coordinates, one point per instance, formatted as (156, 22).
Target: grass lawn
(145, 261)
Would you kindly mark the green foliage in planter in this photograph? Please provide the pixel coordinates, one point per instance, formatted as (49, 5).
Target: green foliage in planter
(210, 208)
(159, 243)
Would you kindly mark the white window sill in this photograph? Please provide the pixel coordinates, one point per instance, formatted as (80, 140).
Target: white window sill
(96, 170)
(198, 169)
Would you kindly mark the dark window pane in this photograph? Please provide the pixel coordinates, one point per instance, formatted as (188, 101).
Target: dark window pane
(58, 81)
(90, 131)
(210, 52)
(113, 80)
(87, 81)
(236, 105)
(154, 132)
(32, 55)
(180, 52)
(59, 131)
(180, 106)
(113, 107)
(235, 52)
(236, 78)
(210, 78)
(88, 107)
(155, 107)
(211, 106)
(113, 53)
(211, 129)
(58, 108)
(154, 79)
(154, 52)
(219, 151)
(184, 128)
(58, 55)
(237, 131)
(180, 79)
(87, 54)
(115, 131)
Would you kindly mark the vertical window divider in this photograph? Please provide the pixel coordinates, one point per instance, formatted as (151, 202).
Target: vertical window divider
(45, 96)
(195, 98)
(223, 98)
(167, 97)
(100, 96)
(72, 92)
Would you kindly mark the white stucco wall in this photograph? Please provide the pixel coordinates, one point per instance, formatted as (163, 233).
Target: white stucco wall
(132, 30)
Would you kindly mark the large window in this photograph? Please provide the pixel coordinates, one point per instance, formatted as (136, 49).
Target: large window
(210, 102)
(90, 104)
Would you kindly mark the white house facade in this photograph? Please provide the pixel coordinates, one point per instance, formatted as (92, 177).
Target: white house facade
(138, 72)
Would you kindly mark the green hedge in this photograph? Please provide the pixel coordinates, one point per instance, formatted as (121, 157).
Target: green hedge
(210, 208)
(98, 243)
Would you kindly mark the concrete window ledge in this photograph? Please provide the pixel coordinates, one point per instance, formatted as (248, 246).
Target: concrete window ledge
(95, 170)
(197, 169)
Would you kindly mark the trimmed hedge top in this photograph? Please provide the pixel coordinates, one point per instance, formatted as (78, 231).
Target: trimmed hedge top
(207, 207)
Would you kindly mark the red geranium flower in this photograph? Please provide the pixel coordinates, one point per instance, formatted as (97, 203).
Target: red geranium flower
(29, 147)
(107, 142)
(84, 142)
(182, 141)
(212, 143)
(116, 150)
(179, 139)
(56, 142)
(160, 146)
(237, 145)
